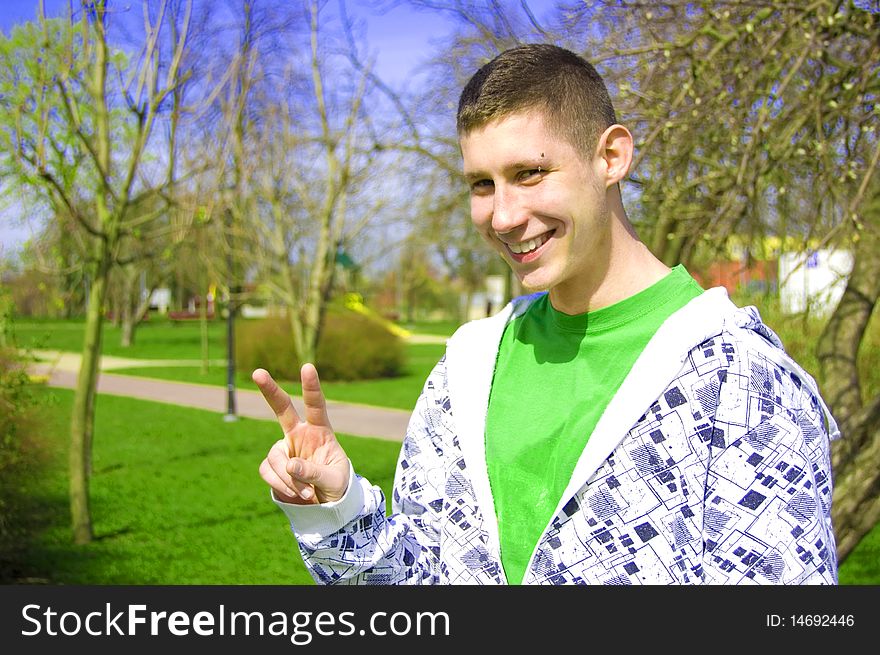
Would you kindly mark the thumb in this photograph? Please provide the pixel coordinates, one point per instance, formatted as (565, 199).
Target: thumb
(304, 470)
(330, 481)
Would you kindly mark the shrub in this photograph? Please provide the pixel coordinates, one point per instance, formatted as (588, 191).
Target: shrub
(19, 459)
(266, 343)
(352, 347)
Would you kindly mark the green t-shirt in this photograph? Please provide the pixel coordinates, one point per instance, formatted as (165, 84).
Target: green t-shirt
(554, 376)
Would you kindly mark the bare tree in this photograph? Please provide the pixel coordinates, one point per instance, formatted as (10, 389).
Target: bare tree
(107, 107)
(315, 178)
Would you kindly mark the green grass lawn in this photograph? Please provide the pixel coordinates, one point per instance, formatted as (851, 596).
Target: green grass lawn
(176, 499)
(157, 338)
(862, 567)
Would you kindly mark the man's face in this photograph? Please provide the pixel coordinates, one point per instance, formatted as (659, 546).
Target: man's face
(540, 204)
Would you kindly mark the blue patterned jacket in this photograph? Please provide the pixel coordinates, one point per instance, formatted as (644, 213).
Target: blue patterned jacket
(710, 465)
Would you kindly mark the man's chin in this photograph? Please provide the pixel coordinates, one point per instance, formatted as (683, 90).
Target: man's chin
(533, 287)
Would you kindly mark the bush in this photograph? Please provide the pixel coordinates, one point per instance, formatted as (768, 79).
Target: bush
(19, 458)
(266, 343)
(352, 347)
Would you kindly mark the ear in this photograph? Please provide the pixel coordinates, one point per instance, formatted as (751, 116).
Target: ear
(615, 152)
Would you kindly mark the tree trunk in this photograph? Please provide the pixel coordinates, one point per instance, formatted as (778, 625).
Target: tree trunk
(141, 307)
(410, 296)
(179, 291)
(465, 313)
(319, 282)
(126, 337)
(203, 330)
(840, 341)
(83, 416)
(660, 239)
(856, 456)
(71, 283)
(125, 308)
(856, 508)
(114, 302)
(133, 308)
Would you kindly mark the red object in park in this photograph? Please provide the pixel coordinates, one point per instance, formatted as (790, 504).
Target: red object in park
(733, 275)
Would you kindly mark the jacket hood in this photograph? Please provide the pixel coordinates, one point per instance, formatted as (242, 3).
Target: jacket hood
(748, 318)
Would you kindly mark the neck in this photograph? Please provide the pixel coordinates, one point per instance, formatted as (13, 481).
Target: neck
(629, 269)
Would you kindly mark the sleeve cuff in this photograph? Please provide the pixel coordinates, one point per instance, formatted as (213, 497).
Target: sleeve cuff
(311, 523)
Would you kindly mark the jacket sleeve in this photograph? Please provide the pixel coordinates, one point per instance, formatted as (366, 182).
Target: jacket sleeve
(354, 541)
(767, 504)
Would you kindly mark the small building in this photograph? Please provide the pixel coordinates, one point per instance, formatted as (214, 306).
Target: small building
(160, 300)
(488, 301)
(813, 281)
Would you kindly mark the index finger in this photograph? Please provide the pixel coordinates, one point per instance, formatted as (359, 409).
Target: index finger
(278, 400)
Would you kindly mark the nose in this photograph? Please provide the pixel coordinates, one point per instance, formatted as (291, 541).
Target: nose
(507, 211)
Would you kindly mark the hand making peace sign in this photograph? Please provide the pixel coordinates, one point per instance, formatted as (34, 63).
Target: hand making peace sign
(307, 466)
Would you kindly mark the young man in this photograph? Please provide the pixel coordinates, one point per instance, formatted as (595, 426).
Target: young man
(625, 427)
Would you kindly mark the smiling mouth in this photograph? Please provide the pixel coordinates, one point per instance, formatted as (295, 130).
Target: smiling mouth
(525, 247)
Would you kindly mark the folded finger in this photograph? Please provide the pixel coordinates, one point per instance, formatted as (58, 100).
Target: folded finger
(282, 491)
(278, 461)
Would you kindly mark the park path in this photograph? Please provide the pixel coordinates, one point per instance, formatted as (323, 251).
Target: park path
(61, 369)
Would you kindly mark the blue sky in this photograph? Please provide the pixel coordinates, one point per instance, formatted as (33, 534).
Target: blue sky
(400, 39)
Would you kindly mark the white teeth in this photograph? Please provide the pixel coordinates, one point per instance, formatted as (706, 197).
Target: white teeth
(527, 246)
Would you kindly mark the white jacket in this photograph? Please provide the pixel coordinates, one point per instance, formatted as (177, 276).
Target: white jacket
(710, 465)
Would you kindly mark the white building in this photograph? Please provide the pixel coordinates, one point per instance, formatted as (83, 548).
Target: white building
(160, 300)
(489, 301)
(813, 280)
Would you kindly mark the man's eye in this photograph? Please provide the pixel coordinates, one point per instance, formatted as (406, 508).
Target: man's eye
(530, 174)
(482, 186)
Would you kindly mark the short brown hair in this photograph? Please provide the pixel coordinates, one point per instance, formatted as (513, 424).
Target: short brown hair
(556, 81)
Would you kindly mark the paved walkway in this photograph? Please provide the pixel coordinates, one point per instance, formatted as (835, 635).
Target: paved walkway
(61, 369)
